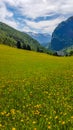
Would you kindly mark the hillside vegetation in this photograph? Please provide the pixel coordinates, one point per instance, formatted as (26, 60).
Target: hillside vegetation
(10, 36)
(36, 91)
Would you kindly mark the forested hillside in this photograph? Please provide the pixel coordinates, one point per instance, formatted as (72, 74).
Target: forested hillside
(12, 37)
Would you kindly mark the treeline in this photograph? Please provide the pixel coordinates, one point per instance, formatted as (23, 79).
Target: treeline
(24, 46)
(28, 47)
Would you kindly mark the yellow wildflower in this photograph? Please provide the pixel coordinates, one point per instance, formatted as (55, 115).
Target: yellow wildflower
(34, 122)
(3, 113)
(71, 117)
(12, 111)
(37, 112)
(13, 128)
(35, 128)
(49, 127)
(56, 117)
(63, 122)
(0, 125)
(49, 123)
(22, 120)
(8, 114)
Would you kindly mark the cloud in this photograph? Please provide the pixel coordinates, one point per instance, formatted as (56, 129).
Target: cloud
(37, 8)
(56, 11)
(4, 13)
(45, 26)
(6, 16)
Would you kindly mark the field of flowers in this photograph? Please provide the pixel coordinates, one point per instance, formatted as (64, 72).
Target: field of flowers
(36, 91)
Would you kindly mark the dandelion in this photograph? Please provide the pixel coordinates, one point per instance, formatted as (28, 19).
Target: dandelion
(13, 128)
(38, 106)
(49, 127)
(36, 112)
(35, 128)
(56, 117)
(12, 111)
(49, 123)
(3, 113)
(34, 122)
(0, 125)
(8, 114)
(71, 117)
(63, 122)
(22, 120)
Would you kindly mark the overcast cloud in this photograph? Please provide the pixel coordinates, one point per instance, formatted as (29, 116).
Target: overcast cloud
(35, 15)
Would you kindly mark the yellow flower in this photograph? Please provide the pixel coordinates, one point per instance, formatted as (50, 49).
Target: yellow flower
(37, 106)
(22, 120)
(49, 123)
(8, 114)
(0, 125)
(56, 117)
(3, 113)
(63, 122)
(49, 127)
(34, 122)
(71, 117)
(12, 111)
(37, 112)
(13, 128)
(35, 128)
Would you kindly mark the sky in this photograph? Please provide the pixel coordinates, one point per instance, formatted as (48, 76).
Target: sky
(39, 16)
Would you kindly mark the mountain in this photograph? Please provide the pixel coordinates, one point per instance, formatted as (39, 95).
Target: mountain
(42, 38)
(62, 36)
(11, 36)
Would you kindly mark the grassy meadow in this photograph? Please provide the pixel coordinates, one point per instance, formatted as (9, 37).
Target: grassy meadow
(36, 91)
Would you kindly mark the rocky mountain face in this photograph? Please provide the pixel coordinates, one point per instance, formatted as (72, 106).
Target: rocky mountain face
(62, 36)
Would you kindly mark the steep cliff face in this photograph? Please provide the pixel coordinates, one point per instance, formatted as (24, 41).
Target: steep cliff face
(62, 36)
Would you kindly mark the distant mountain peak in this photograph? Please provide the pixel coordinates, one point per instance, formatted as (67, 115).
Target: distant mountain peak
(42, 38)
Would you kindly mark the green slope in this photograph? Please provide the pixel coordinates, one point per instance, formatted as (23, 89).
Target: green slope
(36, 91)
(10, 36)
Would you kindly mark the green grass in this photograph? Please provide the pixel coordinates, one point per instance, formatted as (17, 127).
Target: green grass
(36, 91)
